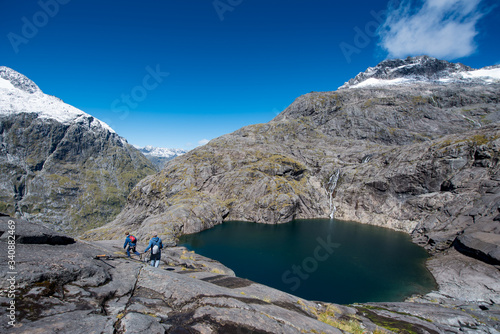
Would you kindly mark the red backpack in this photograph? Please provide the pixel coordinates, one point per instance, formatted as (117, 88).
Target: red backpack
(132, 239)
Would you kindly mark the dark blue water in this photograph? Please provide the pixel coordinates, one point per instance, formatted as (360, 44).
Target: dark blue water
(319, 259)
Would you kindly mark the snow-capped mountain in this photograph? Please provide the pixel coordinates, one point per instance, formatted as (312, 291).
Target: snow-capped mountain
(160, 155)
(58, 164)
(422, 69)
(18, 94)
(161, 152)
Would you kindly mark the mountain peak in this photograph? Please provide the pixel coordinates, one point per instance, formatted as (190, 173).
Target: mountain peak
(425, 66)
(421, 69)
(18, 80)
(18, 94)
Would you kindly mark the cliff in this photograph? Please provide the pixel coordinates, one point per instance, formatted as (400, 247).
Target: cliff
(58, 165)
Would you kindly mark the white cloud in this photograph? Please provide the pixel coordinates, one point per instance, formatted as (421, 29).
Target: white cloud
(203, 142)
(440, 28)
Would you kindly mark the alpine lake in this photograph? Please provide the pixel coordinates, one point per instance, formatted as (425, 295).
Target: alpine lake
(320, 259)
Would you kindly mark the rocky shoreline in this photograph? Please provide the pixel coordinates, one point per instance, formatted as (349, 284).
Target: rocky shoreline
(62, 287)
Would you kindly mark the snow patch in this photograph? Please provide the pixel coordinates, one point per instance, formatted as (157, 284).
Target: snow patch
(5, 84)
(373, 82)
(488, 75)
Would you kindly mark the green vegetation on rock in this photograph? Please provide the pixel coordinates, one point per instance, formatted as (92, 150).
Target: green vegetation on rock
(69, 176)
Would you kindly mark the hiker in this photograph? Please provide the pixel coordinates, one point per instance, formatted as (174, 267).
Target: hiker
(131, 241)
(156, 245)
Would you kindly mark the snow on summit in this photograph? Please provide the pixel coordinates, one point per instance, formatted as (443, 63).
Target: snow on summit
(5, 84)
(18, 94)
(422, 69)
(489, 74)
(161, 151)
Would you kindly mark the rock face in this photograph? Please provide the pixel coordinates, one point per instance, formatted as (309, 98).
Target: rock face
(62, 287)
(59, 165)
(420, 157)
(463, 280)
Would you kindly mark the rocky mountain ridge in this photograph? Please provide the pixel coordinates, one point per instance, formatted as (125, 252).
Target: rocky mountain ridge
(21, 95)
(17, 80)
(422, 69)
(59, 165)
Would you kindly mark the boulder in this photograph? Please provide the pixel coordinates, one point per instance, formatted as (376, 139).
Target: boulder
(482, 245)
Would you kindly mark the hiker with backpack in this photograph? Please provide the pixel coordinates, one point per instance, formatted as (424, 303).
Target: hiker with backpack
(156, 245)
(131, 241)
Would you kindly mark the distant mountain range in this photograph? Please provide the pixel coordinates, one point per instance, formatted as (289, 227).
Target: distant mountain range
(159, 155)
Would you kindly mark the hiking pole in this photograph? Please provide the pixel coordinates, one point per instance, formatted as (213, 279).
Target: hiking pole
(100, 257)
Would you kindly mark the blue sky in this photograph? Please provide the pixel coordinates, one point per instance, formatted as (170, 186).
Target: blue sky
(174, 73)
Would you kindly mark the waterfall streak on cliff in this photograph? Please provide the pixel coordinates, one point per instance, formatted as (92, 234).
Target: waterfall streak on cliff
(330, 187)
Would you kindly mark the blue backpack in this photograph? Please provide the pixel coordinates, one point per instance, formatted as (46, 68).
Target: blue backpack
(156, 247)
